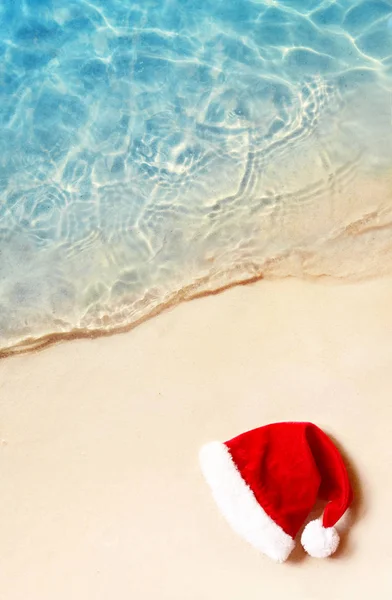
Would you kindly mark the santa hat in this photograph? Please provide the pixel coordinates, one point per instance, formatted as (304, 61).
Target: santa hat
(266, 482)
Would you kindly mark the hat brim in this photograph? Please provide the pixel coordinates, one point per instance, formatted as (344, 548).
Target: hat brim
(239, 506)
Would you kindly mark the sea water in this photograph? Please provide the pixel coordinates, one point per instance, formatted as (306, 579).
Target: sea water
(152, 150)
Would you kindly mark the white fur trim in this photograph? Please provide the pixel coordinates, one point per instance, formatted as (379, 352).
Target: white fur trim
(319, 541)
(239, 505)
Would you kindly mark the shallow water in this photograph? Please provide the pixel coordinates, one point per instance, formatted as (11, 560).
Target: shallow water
(154, 149)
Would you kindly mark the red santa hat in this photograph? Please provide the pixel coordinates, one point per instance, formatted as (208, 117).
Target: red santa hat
(266, 482)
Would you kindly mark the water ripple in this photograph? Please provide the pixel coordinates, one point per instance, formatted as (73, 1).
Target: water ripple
(151, 151)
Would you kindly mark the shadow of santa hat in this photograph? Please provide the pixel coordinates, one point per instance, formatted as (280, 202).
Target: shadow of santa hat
(266, 482)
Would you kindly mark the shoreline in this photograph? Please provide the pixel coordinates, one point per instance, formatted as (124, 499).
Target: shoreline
(43, 342)
(185, 295)
(344, 237)
(99, 441)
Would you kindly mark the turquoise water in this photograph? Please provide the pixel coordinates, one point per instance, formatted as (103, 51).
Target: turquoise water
(151, 149)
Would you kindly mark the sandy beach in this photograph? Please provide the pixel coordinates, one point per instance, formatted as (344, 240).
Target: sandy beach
(102, 496)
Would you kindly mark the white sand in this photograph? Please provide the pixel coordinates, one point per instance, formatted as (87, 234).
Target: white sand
(101, 494)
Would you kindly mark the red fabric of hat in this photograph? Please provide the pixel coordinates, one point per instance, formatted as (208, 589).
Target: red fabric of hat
(267, 480)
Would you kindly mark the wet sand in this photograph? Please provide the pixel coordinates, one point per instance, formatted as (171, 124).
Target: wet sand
(102, 496)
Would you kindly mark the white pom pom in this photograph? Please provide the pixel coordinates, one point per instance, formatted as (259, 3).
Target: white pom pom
(319, 541)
